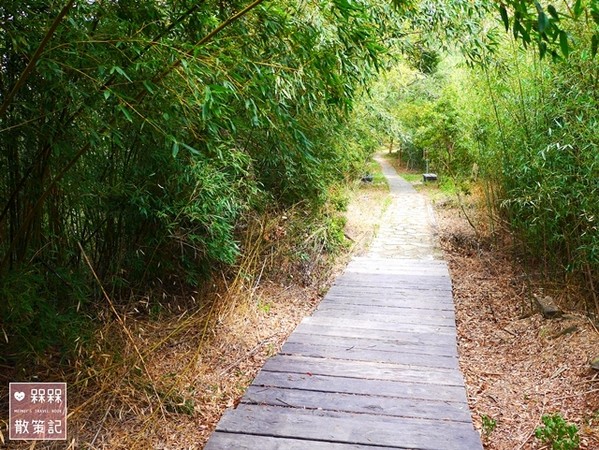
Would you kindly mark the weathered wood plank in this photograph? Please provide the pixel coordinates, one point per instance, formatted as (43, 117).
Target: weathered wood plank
(383, 388)
(388, 299)
(234, 441)
(391, 284)
(394, 278)
(392, 288)
(358, 354)
(410, 345)
(398, 262)
(391, 266)
(349, 298)
(373, 325)
(390, 292)
(350, 428)
(363, 370)
(423, 275)
(394, 270)
(365, 404)
(398, 308)
(398, 336)
(388, 315)
(370, 282)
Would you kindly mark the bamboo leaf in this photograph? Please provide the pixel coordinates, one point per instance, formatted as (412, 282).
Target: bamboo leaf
(577, 10)
(542, 49)
(125, 113)
(553, 12)
(148, 86)
(504, 17)
(120, 71)
(563, 43)
(191, 149)
(542, 22)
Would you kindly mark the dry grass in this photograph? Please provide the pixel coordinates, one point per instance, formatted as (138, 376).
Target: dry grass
(163, 380)
(518, 366)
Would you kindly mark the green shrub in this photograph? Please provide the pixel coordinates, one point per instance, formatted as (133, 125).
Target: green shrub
(558, 433)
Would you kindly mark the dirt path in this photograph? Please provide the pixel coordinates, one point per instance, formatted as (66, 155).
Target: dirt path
(408, 227)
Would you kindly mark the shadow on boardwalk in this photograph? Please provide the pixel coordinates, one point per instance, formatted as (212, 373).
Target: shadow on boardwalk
(376, 365)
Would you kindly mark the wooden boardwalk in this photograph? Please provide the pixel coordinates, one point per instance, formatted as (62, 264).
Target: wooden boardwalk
(374, 367)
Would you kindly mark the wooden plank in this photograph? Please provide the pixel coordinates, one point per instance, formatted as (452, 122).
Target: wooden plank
(365, 404)
(410, 345)
(399, 265)
(347, 385)
(393, 278)
(363, 370)
(394, 284)
(390, 292)
(384, 301)
(388, 315)
(393, 336)
(398, 262)
(424, 274)
(358, 354)
(350, 428)
(373, 325)
(399, 283)
(391, 288)
(397, 308)
(394, 270)
(388, 299)
(373, 295)
(391, 285)
(233, 441)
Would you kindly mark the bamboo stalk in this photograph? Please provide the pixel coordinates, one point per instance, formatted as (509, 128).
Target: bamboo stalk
(34, 59)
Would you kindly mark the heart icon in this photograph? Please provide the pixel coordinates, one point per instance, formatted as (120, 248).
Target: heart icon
(19, 396)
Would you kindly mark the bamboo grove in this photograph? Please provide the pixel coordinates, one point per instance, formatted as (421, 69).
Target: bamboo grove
(136, 135)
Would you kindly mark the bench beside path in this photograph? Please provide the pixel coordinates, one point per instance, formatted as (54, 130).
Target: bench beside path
(376, 365)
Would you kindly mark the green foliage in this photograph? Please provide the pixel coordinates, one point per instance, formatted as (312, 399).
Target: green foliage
(558, 433)
(145, 131)
(536, 129)
(423, 59)
(56, 324)
(547, 26)
(489, 424)
(527, 127)
(430, 127)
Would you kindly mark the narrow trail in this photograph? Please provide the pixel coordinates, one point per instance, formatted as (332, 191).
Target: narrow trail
(408, 228)
(376, 365)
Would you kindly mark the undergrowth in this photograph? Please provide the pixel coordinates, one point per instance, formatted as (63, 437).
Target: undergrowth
(520, 131)
(157, 355)
(558, 433)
